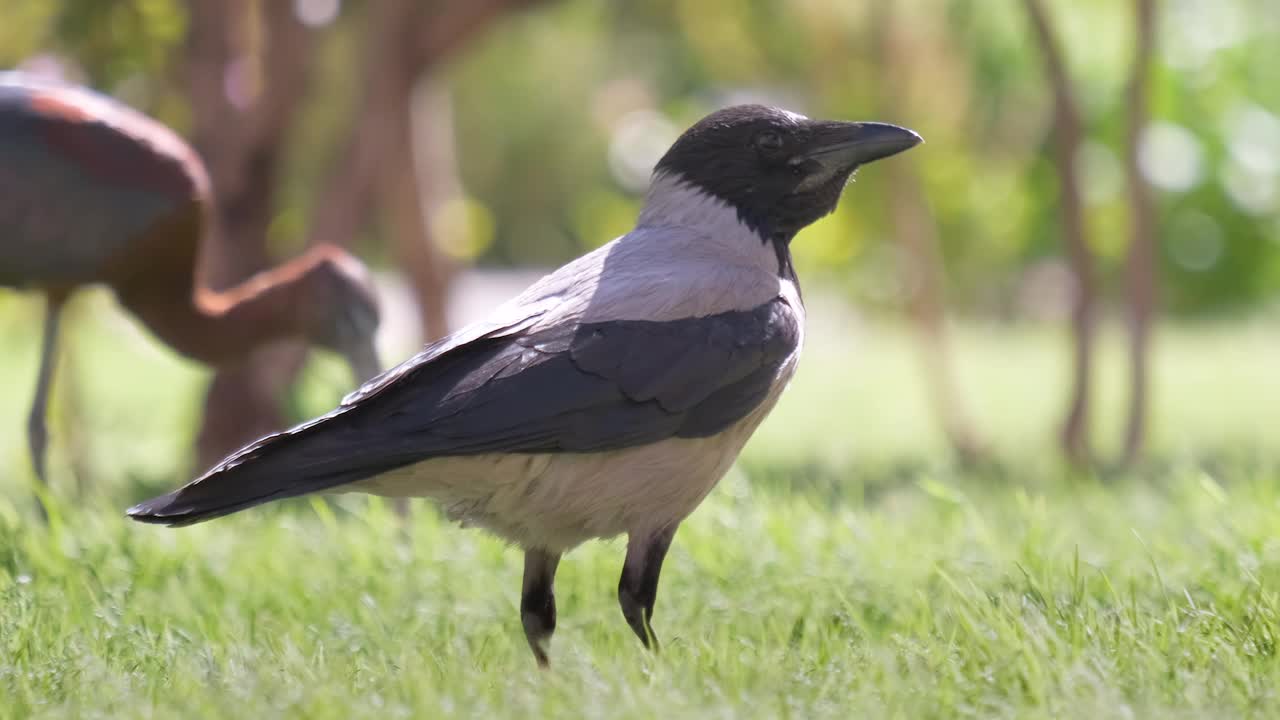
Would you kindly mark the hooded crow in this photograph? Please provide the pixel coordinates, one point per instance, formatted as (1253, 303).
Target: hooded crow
(610, 396)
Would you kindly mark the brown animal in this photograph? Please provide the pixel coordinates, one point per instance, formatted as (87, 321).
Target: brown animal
(92, 191)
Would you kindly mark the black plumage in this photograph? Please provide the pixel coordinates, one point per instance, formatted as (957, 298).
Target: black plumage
(587, 387)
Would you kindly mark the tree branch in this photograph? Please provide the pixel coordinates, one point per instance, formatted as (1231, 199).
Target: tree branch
(445, 33)
(1068, 136)
(244, 99)
(406, 40)
(1140, 268)
(920, 262)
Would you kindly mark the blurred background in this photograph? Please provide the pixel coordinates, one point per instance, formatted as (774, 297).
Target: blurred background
(1083, 262)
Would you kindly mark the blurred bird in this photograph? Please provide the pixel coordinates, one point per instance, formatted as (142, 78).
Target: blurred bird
(610, 396)
(92, 191)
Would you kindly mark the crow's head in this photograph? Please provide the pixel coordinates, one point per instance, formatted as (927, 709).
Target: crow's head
(779, 170)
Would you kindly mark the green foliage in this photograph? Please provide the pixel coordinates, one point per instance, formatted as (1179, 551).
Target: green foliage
(26, 29)
(541, 101)
(975, 90)
(114, 41)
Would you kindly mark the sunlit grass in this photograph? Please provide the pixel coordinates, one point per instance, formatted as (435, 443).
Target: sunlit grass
(943, 596)
(846, 568)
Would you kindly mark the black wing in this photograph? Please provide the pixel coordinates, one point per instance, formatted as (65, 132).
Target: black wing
(583, 388)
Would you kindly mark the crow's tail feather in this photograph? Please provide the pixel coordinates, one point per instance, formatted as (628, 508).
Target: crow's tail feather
(175, 510)
(316, 456)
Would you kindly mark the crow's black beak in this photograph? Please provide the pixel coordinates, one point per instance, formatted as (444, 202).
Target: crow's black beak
(850, 144)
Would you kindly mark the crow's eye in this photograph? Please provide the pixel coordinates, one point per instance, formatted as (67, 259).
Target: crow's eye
(769, 140)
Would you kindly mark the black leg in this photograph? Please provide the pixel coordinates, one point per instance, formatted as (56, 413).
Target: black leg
(638, 586)
(538, 601)
(37, 434)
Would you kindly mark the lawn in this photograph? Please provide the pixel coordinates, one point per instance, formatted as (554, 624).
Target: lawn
(845, 568)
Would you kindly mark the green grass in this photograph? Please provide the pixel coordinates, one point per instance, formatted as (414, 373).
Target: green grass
(845, 568)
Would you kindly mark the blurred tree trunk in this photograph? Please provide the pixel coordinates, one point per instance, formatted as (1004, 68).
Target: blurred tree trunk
(404, 40)
(347, 195)
(417, 186)
(1140, 268)
(1068, 135)
(920, 262)
(245, 89)
(245, 92)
